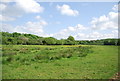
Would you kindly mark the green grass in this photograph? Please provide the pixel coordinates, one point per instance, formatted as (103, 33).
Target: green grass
(86, 62)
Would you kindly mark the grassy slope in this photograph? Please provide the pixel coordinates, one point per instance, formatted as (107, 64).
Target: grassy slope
(102, 64)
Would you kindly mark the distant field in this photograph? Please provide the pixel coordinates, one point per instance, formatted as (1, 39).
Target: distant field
(59, 62)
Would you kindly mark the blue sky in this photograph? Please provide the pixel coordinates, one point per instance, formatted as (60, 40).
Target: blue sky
(82, 20)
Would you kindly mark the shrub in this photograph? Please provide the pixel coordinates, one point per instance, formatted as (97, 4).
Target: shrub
(9, 59)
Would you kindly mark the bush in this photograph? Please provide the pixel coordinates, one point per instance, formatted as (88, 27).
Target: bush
(9, 59)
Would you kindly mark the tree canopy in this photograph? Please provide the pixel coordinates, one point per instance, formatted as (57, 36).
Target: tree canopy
(71, 38)
(29, 39)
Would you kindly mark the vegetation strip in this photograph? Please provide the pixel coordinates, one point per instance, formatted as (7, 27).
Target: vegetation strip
(29, 39)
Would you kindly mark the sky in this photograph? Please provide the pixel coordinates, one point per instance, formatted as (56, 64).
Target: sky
(82, 20)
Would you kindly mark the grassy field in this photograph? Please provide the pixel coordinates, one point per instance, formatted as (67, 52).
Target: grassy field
(59, 62)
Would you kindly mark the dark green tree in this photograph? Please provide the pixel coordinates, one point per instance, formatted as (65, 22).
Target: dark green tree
(71, 38)
(49, 41)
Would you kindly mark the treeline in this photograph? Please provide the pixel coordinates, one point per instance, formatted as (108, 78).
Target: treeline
(30, 39)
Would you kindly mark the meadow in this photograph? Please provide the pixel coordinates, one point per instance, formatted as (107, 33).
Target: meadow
(59, 61)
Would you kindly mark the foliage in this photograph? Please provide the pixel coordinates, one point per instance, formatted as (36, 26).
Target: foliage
(71, 38)
(29, 39)
(49, 41)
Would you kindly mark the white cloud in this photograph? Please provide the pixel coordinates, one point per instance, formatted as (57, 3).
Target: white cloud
(37, 17)
(30, 27)
(113, 17)
(105, 22)
(66, 10)
(12, 10)
(71, 28)
(64, 33)
(29, 6)
(96, 35)
(5, 18)
(90, 36)
(19, 8)
(77, 28)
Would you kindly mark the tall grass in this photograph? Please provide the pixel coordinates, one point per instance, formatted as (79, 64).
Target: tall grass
(47, 53)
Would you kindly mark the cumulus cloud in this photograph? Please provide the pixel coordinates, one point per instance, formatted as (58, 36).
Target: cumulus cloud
(105, 22)
(64, 33)
(66, 10)
(76, 28)
(78, 32)
(19, 8)
(96, 35)
(30, 27)
(29, 6)
(12, 10)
